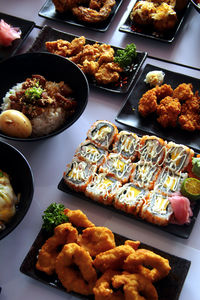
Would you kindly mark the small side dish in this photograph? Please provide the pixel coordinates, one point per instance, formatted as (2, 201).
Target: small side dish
(87, 260)
(98, 61)
(138, 175)
(8, 200)
(172, 107)
(36, 107)
(8, 34)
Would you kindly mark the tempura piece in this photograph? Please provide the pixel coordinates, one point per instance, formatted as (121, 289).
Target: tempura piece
(168, 111)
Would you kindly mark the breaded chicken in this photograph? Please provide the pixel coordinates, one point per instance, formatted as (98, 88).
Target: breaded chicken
(190, 114)
(163, 91)
(168, 111)
(183, 92)
(148, 103)
(65, 48)
(108, 73)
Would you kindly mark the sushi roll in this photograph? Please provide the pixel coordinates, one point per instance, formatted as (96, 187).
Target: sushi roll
(169, 182)
(145, 174)
(91, 153)
(102, 134)
(157, 209)
(102, 188)
(117, 166)
(178, 157)
(130, 198)
(126, 143)
(78, 174)
(152, 149)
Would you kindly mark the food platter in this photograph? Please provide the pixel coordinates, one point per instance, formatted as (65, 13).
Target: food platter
(168, 37)
(183, 231)
(168, 288)
(48, 11)
(25, 27)
(51, 34)
(133, 119)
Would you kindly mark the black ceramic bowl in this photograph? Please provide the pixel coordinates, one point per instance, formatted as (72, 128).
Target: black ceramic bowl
(195, 5)
(54, 68)
(17, 167)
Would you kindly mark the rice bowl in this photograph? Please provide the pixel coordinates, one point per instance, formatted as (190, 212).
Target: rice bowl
(53, 120)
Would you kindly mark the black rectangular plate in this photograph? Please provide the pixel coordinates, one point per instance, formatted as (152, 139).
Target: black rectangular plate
(182, 231)
(149, 124)
(167, 288)
(149, 33)
(48, 11)
(51, 34)
(25, 26)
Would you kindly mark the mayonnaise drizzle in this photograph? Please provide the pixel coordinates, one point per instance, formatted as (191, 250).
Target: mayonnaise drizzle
(152, 151)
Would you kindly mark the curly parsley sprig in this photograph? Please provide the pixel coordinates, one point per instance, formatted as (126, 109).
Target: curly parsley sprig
(53, 216)
(124, 57)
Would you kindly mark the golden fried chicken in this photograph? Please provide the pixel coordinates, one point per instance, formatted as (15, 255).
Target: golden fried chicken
(65, 48)
(163, 91)
(106, 54)
(190, 114)
(89, 15)
(108, 73)
(66, 5)
(148, 103)
(89, 67)
(183, 92)
(168, 111)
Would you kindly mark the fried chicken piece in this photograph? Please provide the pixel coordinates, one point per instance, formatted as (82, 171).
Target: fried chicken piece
(78, 218)
(163, 91)
(133, 244)
(183, 92)
(89, 67)
(65, 48)
(148, 103)
(168, 111)
(108, 73)
(106, 54)
(96, 240)
(66, 5)
(190, 114)
(89, 15)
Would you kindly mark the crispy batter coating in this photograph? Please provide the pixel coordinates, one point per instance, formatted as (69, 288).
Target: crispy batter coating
(163, 91)
(64, 233)
(90, 15)
(148, 103)
(133, 244)
(65, 48)
(168, 111)
(183, 92)
(78, 218)
(93, 59)
(81, 280)
(103, 287)
(137, 262)
(108, 73)
(190, 114)
(96, 240)
(113, 259)
(135, 285)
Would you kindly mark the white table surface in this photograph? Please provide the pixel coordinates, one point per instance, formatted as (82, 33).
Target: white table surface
(48, 159)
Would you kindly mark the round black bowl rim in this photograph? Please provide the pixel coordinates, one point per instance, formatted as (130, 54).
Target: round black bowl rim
(195, 5)
(12, 225)
(63, 128)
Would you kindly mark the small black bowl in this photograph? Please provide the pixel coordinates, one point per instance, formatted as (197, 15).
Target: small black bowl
(17, 167)
(195, 5)
(54, 68)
